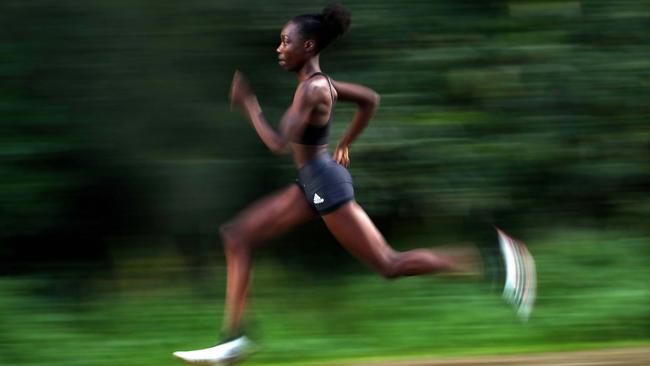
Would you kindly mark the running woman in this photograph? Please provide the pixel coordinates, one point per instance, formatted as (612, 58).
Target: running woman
(324, 187)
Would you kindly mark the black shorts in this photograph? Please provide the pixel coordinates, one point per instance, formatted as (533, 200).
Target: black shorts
(326, 184)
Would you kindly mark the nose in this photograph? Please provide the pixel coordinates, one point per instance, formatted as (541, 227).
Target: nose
(278, 49)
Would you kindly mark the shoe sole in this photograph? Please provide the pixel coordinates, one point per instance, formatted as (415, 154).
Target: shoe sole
(250, 350)
(225, 362)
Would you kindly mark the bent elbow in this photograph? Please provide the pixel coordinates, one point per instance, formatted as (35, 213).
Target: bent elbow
(376, 98)
(279, 147)
(277, 150)
(372, 103)
(280, 151)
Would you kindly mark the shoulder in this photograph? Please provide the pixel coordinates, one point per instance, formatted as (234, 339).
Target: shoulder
(313, 89)
(314, 84)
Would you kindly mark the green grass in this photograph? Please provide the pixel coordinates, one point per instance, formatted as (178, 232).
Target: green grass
(592, 294)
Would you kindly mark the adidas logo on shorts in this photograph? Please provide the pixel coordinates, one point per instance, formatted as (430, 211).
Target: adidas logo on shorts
(318, 199)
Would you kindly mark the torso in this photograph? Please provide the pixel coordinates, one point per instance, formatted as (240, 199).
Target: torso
(302, 154)
(321, 116)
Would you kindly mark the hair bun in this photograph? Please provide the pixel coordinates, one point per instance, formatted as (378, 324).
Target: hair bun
(337, 18)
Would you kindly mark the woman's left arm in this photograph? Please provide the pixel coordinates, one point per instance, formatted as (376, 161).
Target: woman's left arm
(367, 101)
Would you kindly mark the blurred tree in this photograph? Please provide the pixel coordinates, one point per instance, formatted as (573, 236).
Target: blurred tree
(115, 119)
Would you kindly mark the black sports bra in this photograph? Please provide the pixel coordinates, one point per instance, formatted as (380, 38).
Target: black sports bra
(318, 135)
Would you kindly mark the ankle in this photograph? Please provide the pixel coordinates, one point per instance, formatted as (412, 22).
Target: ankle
(228, 335)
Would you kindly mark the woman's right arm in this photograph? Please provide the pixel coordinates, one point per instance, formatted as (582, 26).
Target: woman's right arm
(292, 124)
(367, 101)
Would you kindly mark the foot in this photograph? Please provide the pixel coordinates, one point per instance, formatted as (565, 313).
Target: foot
(466, 258)
(521, 276)
(221, 354)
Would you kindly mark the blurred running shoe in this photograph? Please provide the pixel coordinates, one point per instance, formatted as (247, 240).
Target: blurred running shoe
(520, 275)
(221, 354)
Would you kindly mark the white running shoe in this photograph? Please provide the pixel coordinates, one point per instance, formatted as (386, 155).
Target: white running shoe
(221, 354)
(520, 275)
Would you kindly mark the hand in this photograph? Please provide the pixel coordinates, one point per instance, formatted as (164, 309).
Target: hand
(240, 91)
(341, 155)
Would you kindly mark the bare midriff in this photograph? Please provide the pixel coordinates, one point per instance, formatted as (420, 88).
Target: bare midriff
(302, 154)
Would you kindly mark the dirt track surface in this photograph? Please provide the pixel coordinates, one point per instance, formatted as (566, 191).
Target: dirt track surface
(610, 357)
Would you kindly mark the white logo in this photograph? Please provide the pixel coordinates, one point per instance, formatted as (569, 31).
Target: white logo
(318, 199)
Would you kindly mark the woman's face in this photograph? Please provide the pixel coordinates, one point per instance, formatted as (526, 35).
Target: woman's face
(293, 51)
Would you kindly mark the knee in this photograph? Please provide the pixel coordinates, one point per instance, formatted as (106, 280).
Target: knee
(389, 268)
(389, 273)
(232, 237)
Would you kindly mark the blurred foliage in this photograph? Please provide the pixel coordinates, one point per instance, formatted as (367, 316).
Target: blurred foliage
(115, 118)
(116, 142)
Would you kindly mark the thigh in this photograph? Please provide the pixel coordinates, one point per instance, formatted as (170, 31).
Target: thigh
(273, 214)
(354, 230)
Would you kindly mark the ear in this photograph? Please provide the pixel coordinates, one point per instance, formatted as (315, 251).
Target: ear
(310, 45)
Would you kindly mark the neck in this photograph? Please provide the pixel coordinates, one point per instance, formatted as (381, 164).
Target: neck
(310, 67)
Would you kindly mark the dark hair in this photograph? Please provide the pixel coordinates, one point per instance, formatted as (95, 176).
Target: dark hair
(325, 27)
